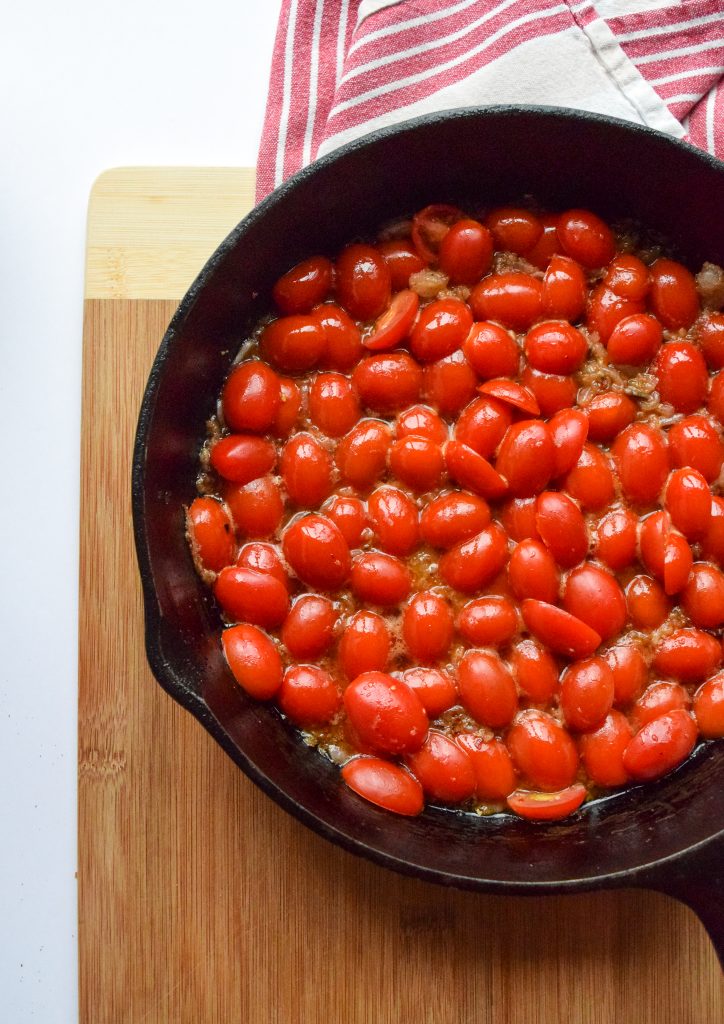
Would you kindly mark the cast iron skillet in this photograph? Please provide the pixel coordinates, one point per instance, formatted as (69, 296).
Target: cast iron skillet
(667, 836)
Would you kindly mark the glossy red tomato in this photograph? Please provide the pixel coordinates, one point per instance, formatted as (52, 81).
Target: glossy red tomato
(263, 558)
(293, 343)
(364, 645)
(472, 564)
(688, 655)
(441, 328)
(656, 700)
(242, 457)
(309, 627)
(590, 481)
(542, 750)
(532, 572)
(609, 412)
(443, 769)
(421, 421)
(642, 461)
(703, 596)
(317, 552)
(290, 402)
(363, 281)
(587, 690)
(246, 595)
(682, 376)
(518, 518)
(595, 597)
(305, 285)
(547, 806)
(402, 259)
(564, 289)
(603, 748)
(494, 773)
(384, 784)
(306, 469)
(627, 276)
(616, 539)
(586, 238)
(429, 227)
(660, 746)
(568, 429)
(380, 579)
(562, 632)
(256, 508)
(436, 689)
(385, 713)
(552, 391)
(348, 514)
(393, 517)
(488, 621)
(655, 530)
(417, 462)
(253, 659)
(514, 229)
(333, 404)
(694, 442)
(511, 393)
(309, 695)
(250, 398)
(342, 338)
(634, 340)
(472, 471)
(678, 559)
(709, 708)
(396, 323)
(547, 245)
(465, 252)
(388, 381)
(710, 335)
(605, 310)
(211, 533)
(674, 298)
(715, 405)
(526, 457)
(491, 351)
(513, 299)
(562, 528)
(487, 689)
(453, 518)
(449, 384)
(535, 670)
(687, 499)
(712, 546)
(427, 626)
(555, 346)
(482, 425)
(630, 672)
(361, 455)
(647, 603)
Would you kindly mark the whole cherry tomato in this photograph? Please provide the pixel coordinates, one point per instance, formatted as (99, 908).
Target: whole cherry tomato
(710, 335)
(211, 533)
(535, 670)
(518, 518)
(552, 391)
(418, 462)
(674, 298)
(441, 328)
(616, 538)
(694, 442)
(363, 281)
(647, 602)
(242, 457)
(393, 517)
(532, 572)
(491, 763)
(333, 404)
(491, 351)
(526, 457)
(627, 276)
(513, 299)
(630, 672)
(595, 597)
(449, 384)
(293, 343)
(562, 528)
(472, 564)
(385, 713)
(349, 515)
(309, 695)
(682, 376)
(317, 552)
(542, 750)
(453, 518)
(253, 659)
(263, 558)
(712, 545)
(256, 507)
(568, 429)
(443, 769)
(514, 229)
(290, 402)
(308, 629)
(305, 285)
(634, 340)
(605, 310)
(342, 338)
(487, 689)
(380, 579)
(660, 746)
(688, 655)
(547, 245)
(715, 405)
(364, 645)
(642, 461)
(586, 238)
(656, 700)
(709, 707)
(603, 748)
(587, 690)
(402, 261)
(250, 596)
(555, 346)
(609, 412)
(250, 398)
(562, 632)
(421, 421)
(306, 469)
(488, 621)
(703, 596)
(436, 689)
(564, 289)
(427, 626)
(687, 499)
(482, 425)
(361, 455)
(466, 251)
(384, 784)
(388, 381)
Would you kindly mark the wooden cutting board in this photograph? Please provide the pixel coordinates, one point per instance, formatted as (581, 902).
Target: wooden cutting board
(200, 901)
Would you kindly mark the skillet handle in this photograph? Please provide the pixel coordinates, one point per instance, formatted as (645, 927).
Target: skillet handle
(697, 879)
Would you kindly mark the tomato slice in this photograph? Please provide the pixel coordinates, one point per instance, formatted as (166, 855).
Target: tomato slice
(395, 323)
(547, 806)
(561, 631)
(430, 226)
(514, 394)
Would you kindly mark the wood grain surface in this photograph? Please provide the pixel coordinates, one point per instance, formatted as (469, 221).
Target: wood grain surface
(200, 901)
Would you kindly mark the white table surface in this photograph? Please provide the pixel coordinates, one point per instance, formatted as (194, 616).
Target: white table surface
(85, 86)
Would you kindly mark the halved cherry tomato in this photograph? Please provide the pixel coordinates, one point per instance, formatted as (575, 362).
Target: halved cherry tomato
(253, 659)
(547, 806)
(364, 645)
(487, 689)
(317, 552)
(511, 393)
(436, 689)
(513, 299)
(363, 281)
(384, 784)
(660, 746)
(443, 769)
(542, 750)
(396, 323)
(417, 462)
(491, 351)
(429, 227)
(309, 695)
(427, 626)
(333, 404)
(472, 471)
(561, 631)
(305, 285)
(473, 563)
(385, 713)
(380, 579)
(211, 532)
(308, 629)
(465, 252)
(250, 596)
(453, 518)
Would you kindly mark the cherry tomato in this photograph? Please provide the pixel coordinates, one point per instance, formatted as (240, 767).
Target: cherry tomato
(402, 261)
(526, 457)
(472, 471)
(647, 603)
(342, 338)
(211, 533)
(511, 393)
(308, 629)
(364, 645)
(333, 404)
(361, 455)
(547, 245)
(709, 707)
(380, 579)
(602, 750)
(384, 784)
(694, 442)
(421, 421)
(616, 539)
(256, 507)
(609, 413)
(429, 227)
(586, 238)
(542, 750)
(712, 545)
(710, 335)
(564, 289)
(306, 468)
(417, 462)
(715, 405)
(634, 340)
(656, 700)
(552, 391)
(290, 402)
(395, 324)
(242, 457)
(587, 690)
(263, 558)
(449, 384)
(293, 343)
(547, 806)
(394, 519)
(535, 671)
(494, 772)
(488, 621)
(466, 251)
(514, 229)
(441, 328)
(388, 381)
(348, 515)
(555, 347)
(443, 769)
(309, 695)
(304, 285)
(487, 689)
(562, 528)
(482, 425)
(678, 560)
(660, 746)
(253, 659)
(655, 531)
(605, 310)
(688, 655)
(513, 299)
(627, 276)
(427, 626)
(317, 552)
(474, 563)
(674, 298)
(703, 596)
(590, 481)
(453, 518)
(630, 672)
(435, 689)
(561, 631)
(363, 281)
(518, 518)
(568, 429)
(246, 595)
(491, 351)
(682, 376)
(642, 461)
(250, 398)
(385, 713)
(688, 502)
(595, 597)
(532, 572)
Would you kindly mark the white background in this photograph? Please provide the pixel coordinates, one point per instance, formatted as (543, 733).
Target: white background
(84, 85)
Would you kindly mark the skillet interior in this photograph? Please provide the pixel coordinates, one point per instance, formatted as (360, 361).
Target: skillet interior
(564, 159)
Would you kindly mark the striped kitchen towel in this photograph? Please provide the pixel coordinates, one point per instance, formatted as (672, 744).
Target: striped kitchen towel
(342, 68)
